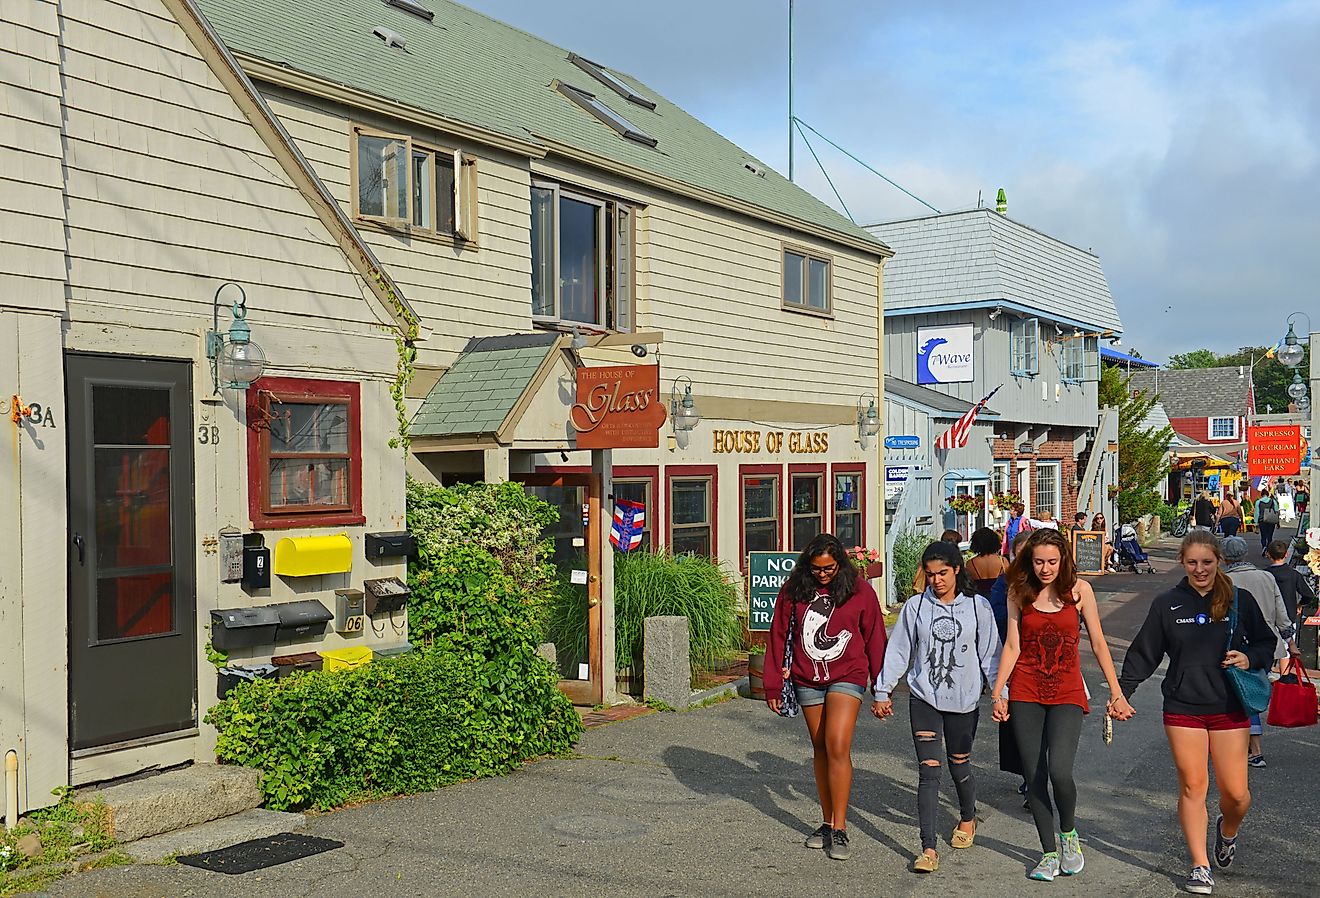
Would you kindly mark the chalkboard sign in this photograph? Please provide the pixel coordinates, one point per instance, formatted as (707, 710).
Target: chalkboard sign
(766, 573)
(1089, 551)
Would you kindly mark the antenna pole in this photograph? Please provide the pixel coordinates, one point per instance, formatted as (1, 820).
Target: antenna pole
(790, 90)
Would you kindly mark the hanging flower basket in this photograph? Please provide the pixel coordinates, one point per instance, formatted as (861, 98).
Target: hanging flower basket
(1006, 500)
(967, 504)
(869, 562)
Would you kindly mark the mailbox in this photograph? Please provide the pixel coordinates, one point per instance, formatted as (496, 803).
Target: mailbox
(386, 595)
(241, 628)
(230, 543)
(256, 562)
(391, 544)
(288, 664)
(229, 677)
(349, 612)
(298, 620)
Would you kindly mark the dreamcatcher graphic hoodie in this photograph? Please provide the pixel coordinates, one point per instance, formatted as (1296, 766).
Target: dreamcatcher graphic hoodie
(950, 653)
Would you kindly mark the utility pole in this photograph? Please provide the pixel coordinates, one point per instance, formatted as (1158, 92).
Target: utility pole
(790, 90)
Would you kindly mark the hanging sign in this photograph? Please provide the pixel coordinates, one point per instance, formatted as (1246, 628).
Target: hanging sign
(628, 526)
(1274, 450)
(618, 407)
(945, 355)
(903, 441)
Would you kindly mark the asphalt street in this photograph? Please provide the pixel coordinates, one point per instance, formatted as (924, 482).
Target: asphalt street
(717, 802)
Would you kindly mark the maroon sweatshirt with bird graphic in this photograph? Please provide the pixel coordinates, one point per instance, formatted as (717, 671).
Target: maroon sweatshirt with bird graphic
(831, 644)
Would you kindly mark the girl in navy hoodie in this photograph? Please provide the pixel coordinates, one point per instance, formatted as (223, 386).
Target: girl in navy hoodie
(838, 647)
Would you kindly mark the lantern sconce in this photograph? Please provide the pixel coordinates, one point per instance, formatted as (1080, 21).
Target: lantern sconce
(1290, 354)
(235, 360)
(683, 414)
(868, 421)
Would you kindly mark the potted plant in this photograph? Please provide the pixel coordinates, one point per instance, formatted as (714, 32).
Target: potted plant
(870, 563)
(966, 503)
(756, 671)
(1005, 501)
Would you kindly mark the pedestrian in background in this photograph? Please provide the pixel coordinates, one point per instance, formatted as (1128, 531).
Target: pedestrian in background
(1010, 757)
(1298, 596)
(1265, 589)
(1302, 498)
(946, 644)
(1203, 719)
(986, 564)
(1044, 520)
(1018, 522)
(1098, 523)
(1203, 511)
(954, 538)
(1267, 517)
(1046, 699)
(1230, 515)
(838, 648)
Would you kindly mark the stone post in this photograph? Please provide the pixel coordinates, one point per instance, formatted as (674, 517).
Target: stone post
(666, 671)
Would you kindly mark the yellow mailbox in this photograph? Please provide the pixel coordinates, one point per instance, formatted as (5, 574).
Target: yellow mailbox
(306, 556)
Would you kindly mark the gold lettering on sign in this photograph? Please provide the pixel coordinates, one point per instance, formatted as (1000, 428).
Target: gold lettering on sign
(746, 442)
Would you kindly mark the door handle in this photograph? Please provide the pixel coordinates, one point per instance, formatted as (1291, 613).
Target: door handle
(80, 544)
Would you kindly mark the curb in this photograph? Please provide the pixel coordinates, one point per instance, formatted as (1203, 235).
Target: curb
(733, 687)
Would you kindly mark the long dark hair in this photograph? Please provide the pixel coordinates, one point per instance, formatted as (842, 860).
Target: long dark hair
(802, 584)
(947, 553)
(1024, 586)
(1221, 593)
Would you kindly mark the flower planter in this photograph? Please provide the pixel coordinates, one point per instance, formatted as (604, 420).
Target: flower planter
(756, 675)
(875, 570)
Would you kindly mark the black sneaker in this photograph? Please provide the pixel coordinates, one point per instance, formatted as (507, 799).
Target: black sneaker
(839, 849)
(1256, 760)
(1225, 848)
(819, 837)
(1200, 882)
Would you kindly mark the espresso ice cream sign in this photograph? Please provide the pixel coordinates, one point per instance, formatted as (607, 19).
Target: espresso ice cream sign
(618, 407)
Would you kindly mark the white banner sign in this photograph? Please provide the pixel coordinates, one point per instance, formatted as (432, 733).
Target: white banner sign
(945, 355)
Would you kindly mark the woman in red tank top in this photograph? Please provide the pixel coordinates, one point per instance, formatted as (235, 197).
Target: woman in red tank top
(1042, 668)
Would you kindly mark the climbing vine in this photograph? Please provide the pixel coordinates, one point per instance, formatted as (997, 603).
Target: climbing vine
(405, 365)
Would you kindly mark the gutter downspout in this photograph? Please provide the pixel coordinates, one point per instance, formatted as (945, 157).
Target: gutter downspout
(11, 789)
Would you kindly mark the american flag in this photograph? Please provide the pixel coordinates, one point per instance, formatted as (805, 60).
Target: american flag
(956, 436)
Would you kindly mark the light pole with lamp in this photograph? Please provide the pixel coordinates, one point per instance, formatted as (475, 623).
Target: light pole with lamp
(1290, 355)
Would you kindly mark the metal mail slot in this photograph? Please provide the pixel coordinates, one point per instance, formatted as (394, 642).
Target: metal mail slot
(239, 628)
(390, 544)
(298, 620)
(386, 595)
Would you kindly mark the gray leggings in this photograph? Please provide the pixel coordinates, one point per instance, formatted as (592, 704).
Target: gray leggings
(1047, 737)
(958, 732)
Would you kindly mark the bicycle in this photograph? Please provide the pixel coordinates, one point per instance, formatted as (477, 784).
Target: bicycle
(1183, 524)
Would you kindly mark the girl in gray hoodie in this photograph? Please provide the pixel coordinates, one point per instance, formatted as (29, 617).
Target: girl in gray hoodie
(947, 644)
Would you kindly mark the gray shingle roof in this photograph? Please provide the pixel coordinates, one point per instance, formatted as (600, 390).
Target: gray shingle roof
(1196, 392)
(979, 255)
(470, 68)
(475, 396)
(942, 404)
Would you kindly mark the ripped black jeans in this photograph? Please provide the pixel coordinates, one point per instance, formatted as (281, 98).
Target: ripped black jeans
(930, 726)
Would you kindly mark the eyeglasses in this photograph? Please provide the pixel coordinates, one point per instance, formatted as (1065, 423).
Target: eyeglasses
(827, 569)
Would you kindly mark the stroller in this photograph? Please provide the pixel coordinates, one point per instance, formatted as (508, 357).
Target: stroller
(1128, 554)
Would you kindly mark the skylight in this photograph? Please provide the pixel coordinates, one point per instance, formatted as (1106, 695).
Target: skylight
(597, 71)
(591, 104)
(412, 7)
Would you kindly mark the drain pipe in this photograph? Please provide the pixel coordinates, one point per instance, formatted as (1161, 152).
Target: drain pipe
(11, 789)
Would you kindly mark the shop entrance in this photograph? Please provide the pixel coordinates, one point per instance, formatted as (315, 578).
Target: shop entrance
(132, 607)
(576, 631)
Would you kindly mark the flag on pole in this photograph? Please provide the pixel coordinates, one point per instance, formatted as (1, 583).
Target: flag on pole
(956, 436)
(629, 522)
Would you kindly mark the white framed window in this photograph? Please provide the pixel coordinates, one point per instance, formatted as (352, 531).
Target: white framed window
(1080, 360)
(807, 282)
(1048, 493)
(1223, 428)
(970, 523)
(400, 183)
(1023, 346)
(999, 478)
(582, 259)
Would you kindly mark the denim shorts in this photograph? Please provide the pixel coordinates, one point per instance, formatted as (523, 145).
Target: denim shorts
(809, 695)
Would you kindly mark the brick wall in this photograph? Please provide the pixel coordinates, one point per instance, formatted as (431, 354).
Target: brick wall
(1058, 448)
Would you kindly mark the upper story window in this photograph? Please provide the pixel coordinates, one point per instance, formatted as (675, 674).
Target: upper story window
(807, 280)
(1223, 428)
(1080, 360)
(304, 453)
(1024, 346)
(590, 103)
(582, 259)
(604, 76)
(401, 184)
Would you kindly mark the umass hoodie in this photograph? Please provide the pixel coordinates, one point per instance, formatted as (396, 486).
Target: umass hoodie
(1178, 625)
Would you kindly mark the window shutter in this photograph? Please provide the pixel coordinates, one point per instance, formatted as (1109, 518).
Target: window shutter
(396, 168)
(465, 199)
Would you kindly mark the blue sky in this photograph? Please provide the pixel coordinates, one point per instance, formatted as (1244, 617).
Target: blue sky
(1180, 141)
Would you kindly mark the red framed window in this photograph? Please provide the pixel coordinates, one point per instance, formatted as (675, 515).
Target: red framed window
(637, 483)
(848, 504)
(806, 490)
(760, 510)
(304, 453)
(692, 509)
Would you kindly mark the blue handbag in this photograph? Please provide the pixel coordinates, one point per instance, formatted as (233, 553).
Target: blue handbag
(788, 703)
(1252, 686)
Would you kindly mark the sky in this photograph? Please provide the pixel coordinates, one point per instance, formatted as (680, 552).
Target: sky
(1179, 141)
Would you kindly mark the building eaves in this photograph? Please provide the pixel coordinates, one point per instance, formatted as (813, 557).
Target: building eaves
(933, 402)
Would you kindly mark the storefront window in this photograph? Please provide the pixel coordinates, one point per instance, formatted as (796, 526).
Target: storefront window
(760, 511)
(848, 509)
(807, 519)
(690, 515)
(638, 491)
(1047, 488)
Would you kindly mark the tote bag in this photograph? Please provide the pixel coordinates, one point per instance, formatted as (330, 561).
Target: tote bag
(788, 703)
(1269, 512)
(1293, 704)
(1252, 686)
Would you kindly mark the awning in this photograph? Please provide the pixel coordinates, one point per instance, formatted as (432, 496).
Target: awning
(1113, 355)
(966, 474)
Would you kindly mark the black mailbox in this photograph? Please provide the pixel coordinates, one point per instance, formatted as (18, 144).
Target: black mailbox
(240, 628)
(391, 544)
(386, 595)
(229, 677)
(256, 567)
(301, 619)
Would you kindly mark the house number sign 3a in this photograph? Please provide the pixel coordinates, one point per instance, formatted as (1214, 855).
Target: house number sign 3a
(37, 414)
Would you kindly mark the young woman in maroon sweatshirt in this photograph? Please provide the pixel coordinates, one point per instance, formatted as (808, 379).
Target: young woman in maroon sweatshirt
(838, 650)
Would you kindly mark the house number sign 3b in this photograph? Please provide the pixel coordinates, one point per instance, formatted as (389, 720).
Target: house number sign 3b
(208, 434)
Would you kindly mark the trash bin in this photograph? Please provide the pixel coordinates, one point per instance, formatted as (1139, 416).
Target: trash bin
(346, 658)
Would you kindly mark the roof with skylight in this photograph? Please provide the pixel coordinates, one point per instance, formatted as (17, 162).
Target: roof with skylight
(592, 104)
(610, 80)
(412, 7)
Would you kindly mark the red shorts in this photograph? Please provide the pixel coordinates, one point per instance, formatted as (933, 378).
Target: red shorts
(1234, 721)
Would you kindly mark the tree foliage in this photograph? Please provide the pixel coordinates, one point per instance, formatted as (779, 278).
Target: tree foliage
(1197, 358)
(1142, 461)
(1270, 378)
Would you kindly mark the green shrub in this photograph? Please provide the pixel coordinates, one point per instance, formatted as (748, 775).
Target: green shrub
(394, 726)
(908, 546)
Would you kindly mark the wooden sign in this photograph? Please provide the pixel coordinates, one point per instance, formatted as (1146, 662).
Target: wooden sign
(766, 574)
(1274, 450)
(618, 407)
(1089, 551)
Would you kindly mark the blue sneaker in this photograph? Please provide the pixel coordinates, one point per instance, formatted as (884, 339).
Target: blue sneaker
(1200, 882)
(1225, 848)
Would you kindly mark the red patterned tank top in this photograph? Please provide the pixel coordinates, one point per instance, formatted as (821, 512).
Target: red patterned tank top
(1049, 670)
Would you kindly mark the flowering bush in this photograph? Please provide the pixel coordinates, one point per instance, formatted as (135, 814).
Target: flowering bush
(967, 504)
(1313, 556)
(1006, 500)
(863, 558)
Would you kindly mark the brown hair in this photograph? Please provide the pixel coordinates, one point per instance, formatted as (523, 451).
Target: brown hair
(1024, 586)
(951, 536)
(1221, 594)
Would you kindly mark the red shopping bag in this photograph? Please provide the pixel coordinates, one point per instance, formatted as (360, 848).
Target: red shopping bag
(1293, 704)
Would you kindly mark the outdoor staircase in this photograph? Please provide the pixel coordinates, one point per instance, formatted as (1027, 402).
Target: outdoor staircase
(197, 808)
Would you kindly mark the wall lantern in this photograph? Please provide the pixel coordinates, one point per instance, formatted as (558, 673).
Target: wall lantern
(1291, 353)
(682, 412)
(868, 422)
(235, 360)
(1296, 389)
